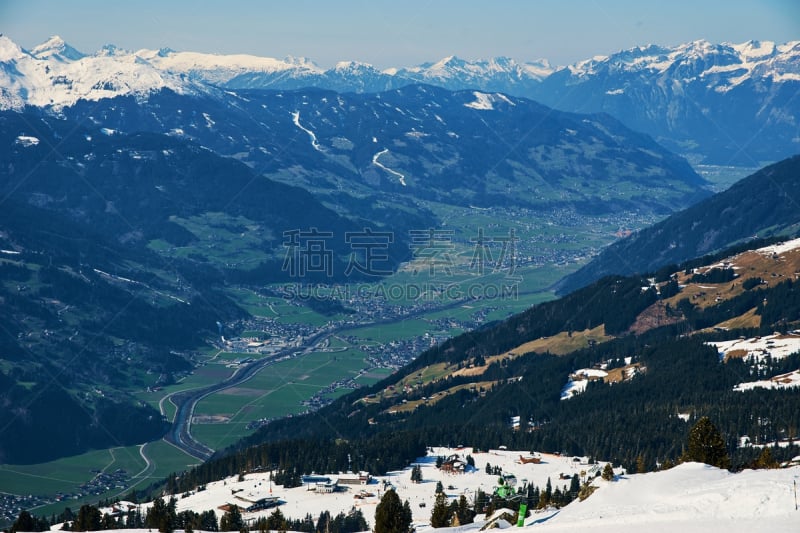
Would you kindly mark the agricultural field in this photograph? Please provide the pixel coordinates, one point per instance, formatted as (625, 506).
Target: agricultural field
(94, 475)
(222, 418)
(202, 376)
(64, 475)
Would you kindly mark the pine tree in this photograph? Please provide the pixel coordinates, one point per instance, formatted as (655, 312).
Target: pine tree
(232, 519)
(24, 522)
(323, 522)
(208, 521)
(441, 514)
(158, 517)
(558, 498)
(765, 460)
(706, 445)
(574, 487)
(406, 516)
(480, 501)
(88, 519)
(464, 513)
(355, 521)
(391, 516)
(439, 487)
(108, 522)
(276, 521)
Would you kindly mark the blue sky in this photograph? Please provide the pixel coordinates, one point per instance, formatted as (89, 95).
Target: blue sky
(398, 32)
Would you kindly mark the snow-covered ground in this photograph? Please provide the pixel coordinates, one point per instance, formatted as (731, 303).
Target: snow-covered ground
(313, 136)
(756, 350)
(780, 248)
(783, 381)
(776, 346)
(485, 102)
(689, 498)
(401, 178)
(578, 380)
(299, 500)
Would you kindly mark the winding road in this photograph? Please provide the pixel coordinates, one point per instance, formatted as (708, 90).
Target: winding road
(180, 433)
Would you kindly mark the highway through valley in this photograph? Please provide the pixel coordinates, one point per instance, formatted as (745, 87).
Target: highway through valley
(180, 433)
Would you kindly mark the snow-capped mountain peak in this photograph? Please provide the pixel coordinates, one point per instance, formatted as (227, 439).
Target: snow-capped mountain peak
(111, 50)
(303, 62)
(756, 49)
(495, 74)
(55, 75)
(9, 50)
(219, 69)
(670, 92)
(354, 67)
(695, 60)
(56, 48)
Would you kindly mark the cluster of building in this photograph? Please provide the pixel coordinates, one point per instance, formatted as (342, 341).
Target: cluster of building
(251, 501)
(102, 482)
(258, 498)
(11, 504)
(329, 484)
(453, 464)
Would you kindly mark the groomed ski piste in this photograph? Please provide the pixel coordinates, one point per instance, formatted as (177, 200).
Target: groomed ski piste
(689, 498)
(313, 136)
(400, 177)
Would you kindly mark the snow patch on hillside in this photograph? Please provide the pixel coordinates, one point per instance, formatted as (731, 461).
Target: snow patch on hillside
(579, 380)
(756, 351)
(784, 381)
(485, 102)
(26, 140)
(314, 143)
(400, 177)
(776, 346)
(780, 248)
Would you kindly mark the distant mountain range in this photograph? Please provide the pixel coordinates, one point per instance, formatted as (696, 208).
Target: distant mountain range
(465, 148)
(728, 104)
(714, 103)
